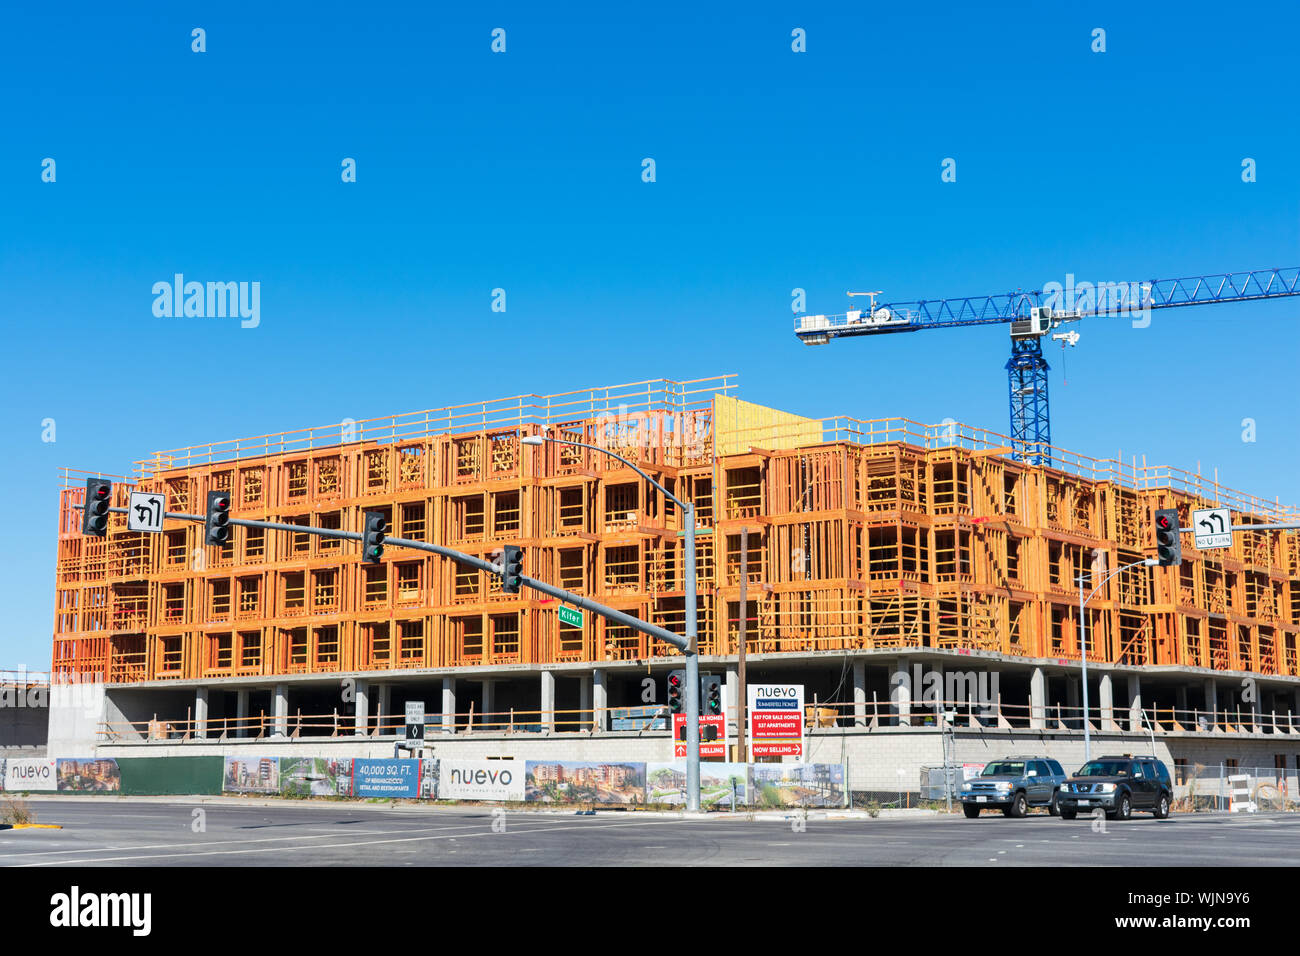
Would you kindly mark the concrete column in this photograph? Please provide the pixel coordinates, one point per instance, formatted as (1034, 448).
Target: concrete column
(448, 707)
(280, 710)
(486, 704)
(1212, 699)
(1256, 705)
(361, 697)
(584, 697)
(900, 692)
(385, 709)
(940, 700)
(548, 701)
(1073, 714)
(1037, 699)
(860, 693)
(600, 699)
(201, 712)
(241, 713)
(1135, 722)
(1106, 701)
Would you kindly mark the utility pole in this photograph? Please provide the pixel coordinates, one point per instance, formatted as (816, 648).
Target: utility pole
(742, 692)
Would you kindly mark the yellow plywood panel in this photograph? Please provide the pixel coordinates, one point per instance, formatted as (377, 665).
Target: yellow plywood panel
(741, 425)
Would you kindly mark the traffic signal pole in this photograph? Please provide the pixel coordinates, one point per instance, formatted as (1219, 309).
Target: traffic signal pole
(609, 613)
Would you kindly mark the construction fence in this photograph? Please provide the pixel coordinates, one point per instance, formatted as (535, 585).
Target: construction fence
(615, 784)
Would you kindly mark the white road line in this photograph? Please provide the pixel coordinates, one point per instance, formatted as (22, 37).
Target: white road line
(271, 839)
(333, 846)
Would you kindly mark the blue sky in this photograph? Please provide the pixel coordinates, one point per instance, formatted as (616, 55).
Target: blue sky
(775, 170)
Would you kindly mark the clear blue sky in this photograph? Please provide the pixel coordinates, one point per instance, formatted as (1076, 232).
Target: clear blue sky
(522, 170)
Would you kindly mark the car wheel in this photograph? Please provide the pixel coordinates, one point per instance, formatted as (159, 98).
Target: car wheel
(1069, 814)
(1054, 808)
(970, 810)
(1124, 808)
(1019, 806)
(1162, 806)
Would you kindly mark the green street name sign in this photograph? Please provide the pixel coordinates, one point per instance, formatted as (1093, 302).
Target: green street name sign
(570, 615)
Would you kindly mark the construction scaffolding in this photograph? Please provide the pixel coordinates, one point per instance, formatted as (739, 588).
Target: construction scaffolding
(862, 534)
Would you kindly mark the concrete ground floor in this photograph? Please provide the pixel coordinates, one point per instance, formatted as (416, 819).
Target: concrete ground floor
(885, 714)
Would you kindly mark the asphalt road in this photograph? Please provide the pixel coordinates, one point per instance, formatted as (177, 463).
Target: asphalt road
(125, 833)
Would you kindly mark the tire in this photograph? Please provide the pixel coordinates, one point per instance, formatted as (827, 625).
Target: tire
(1054, 808)
(1069, 814)
(1124, 808)
(1162, 806)
(1019, 806)
(970, 810)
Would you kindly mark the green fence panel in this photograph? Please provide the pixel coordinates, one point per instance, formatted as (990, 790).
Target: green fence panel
(156, 776)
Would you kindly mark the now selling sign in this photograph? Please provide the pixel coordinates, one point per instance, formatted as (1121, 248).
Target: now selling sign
(776, 720)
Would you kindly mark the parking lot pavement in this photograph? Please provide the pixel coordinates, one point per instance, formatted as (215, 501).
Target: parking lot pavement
(180, 833)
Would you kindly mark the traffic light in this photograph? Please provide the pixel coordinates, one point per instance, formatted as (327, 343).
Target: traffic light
(1169, 543)
(94, 513)
(216, 523)
(512, 567)
(373, 527)
(710, 695)
(677, 692)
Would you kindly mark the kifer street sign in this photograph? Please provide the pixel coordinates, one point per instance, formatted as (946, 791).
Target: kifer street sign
(570, 615)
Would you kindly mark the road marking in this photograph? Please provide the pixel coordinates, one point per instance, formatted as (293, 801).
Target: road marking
(355, 843)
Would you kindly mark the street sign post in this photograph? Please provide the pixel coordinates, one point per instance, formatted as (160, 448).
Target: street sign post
(1212, 528)
(570, 615)
(415, 721)
(145, 512)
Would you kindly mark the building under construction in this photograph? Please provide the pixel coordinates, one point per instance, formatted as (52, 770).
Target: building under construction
(870, 545)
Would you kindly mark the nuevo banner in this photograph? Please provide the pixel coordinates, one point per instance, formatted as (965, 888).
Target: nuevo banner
(385, 777)
(91, 774)
(315, 777)
(481, 780)
(584, 781)
(31, 773)
(251, 775)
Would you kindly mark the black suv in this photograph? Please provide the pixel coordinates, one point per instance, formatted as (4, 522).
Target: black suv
(1119, 785)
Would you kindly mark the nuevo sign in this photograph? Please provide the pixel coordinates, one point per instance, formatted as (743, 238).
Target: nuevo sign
(776, 720)
(481, 780)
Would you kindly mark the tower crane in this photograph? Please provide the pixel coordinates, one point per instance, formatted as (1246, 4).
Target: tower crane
(1034, 315)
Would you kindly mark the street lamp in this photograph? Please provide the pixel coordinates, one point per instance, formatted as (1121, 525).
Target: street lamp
(1083, 640)
(692, 658)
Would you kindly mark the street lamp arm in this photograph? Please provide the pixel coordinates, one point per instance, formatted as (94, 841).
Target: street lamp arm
(1102, 583)
(577, 444)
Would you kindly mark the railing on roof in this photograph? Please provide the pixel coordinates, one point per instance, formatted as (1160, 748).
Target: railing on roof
(652, 395)
(957, 435)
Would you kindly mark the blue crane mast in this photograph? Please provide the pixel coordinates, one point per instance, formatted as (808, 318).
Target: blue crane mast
(1033, 315)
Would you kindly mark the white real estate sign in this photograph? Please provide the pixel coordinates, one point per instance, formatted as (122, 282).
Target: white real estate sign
(776, 720)
(481, 780)
(1212, 528)
(30, 774)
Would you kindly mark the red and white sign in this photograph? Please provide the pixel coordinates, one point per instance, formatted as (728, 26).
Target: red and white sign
(711, 725)
(776, 720)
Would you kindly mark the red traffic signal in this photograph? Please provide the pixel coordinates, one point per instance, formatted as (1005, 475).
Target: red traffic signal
(216, 522)
(94, 510)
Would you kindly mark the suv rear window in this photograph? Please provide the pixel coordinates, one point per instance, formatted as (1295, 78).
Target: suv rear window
(1057, 769)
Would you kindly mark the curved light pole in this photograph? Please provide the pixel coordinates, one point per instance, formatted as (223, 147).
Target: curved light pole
(692, 659)
(1083, 640)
